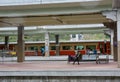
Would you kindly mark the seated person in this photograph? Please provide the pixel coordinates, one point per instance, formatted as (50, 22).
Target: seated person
(91, 52)
(98, 52)
(88, 51)
(75, 58)
(95, 52)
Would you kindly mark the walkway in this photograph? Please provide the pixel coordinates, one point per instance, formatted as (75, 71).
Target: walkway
(57, 68)
(55, 65)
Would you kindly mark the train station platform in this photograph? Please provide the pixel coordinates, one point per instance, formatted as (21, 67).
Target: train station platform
(52, 70)
(57, 66)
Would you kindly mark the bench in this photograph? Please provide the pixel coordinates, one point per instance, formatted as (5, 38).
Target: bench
(102, 58)
(74, 59)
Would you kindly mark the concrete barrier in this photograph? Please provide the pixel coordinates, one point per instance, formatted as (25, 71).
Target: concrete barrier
(61, 76)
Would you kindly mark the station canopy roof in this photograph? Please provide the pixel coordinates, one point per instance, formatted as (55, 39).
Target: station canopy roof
(59, 29)
(70, 13)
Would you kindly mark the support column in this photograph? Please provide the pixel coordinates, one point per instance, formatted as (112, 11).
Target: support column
(6, 42)
(118, 36)
(105, 43)
(47, 44)
(57, 44)
(113, 27)
(20, 46)
(111, 42)
(116, 4)
(115, 47)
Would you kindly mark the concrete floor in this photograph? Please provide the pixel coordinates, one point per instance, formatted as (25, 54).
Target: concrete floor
(56, 65)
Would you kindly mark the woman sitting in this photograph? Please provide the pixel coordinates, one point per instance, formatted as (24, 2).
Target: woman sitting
(75, 58)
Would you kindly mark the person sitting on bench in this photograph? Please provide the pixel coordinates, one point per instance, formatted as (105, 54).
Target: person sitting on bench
(75, 58)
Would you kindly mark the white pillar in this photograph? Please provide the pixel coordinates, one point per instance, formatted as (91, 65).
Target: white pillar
(111, 39)
(118, 36)
(47, 44)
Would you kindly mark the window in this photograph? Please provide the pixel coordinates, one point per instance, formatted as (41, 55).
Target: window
(73, 35)
(92, 47)
(53, 47)
(33, 48)
(80, 36)
(66, 47)
(79, 47)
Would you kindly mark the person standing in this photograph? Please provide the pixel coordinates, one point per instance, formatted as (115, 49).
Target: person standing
(43, 51)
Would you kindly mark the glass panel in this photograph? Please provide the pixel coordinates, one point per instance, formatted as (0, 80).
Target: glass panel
(73, 35)
(53, 47)
(33, 48)
(79, 47)
(66, 47)
(91, 47)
